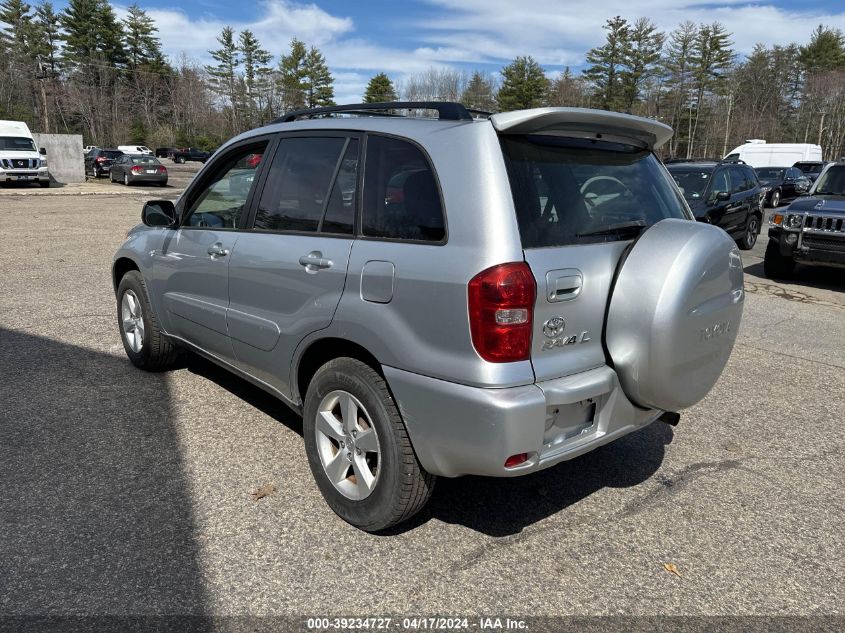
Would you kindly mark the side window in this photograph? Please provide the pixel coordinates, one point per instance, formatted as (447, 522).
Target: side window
(297, 187)
(340, 211)
(221, 203)
(737, 180)
(720, 183)
(750, 178)
(401, 197)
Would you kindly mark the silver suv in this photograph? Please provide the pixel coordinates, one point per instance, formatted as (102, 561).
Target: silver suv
(439, 295)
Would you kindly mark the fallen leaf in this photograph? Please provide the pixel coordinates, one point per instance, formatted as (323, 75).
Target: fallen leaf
(264, 491)
(672, 568)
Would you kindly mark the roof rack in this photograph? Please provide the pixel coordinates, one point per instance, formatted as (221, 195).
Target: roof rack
(446, 110)
(732, 161)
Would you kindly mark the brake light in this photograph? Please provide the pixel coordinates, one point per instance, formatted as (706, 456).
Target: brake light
(501, 312)
(162, 169)
(516, 460)
(137, 169)
(101, 159)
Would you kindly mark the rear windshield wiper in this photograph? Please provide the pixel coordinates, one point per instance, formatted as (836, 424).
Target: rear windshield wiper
(636, 227)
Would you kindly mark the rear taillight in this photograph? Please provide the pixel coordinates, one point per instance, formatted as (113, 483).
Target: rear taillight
(101, 159)
(162, 169)
(501, 312)
(137, 169)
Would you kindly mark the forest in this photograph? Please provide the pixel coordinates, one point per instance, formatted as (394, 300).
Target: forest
(85, 70)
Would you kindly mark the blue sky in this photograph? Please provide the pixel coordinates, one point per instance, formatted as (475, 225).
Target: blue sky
(402, 37)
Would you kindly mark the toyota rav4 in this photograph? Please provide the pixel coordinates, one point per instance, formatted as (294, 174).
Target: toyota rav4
(439, 295)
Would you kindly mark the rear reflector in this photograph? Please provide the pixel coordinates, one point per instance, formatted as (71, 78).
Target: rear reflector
(515, 460)
(501, 310)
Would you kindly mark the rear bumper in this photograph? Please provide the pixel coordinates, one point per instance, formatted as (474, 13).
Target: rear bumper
(461, 430)
(148, 178)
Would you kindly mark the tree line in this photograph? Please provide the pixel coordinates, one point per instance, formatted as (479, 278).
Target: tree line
(84, 70)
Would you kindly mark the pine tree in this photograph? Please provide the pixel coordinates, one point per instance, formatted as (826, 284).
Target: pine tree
(292, 81)
(568, 91)
(223, 78)
(111, 35)
(644, 45)
(607, 64)
(319, 83)
(49, 38)
(826, 51)
(256, 75)
(92, 33)
(677, 73)
(380, 89)
(142, 46)
(710, 60)
(479, 93)
(524, 85)
(16, 35)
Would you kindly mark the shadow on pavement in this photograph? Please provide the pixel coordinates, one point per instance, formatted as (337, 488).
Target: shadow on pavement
(95, 506)
(822, 277)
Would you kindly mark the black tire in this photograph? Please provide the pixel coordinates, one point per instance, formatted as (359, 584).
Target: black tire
(402, 487)
(157, 352)
(752, 230)
(45, 185)
(774, 199)
(775, 265)
(178, 160)
(126, 179)
(97, 172)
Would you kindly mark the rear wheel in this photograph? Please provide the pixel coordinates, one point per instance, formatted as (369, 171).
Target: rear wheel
(358, 448)
(752, 229)
(775, 265)
(142, 338)
(774, 201)
(126, 179)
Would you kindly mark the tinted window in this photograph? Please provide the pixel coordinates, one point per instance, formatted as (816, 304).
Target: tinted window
(720, 183)
(298, 184)
(143, 160)
(691, 183)
(401, 198)
(831, 182)
(770, 173)
(750, 178)
(340, 212)
(221, 202)
(738, 180)
(111, 154)
(570, 191)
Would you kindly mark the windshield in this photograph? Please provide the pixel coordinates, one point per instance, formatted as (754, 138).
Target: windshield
(17, 144)
(809, 168)
(770, 173)
(580, 191)
(831, 182)
(691, 183)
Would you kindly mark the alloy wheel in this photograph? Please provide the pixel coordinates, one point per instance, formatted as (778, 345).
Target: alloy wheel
(132, 321)
(347, 445)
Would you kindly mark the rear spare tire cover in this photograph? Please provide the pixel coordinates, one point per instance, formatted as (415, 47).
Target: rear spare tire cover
(674, 313)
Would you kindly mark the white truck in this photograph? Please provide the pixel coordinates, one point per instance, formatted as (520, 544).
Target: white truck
(759, 153)
(20, 158)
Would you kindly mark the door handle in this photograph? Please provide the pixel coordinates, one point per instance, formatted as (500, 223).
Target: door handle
(315, 261)
(217, 250)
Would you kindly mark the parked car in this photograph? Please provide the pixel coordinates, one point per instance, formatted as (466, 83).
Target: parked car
(21, 160)
(135, 149)
(164, 152)
(726, 194)
(99, 161)
(87, 149)
(811, 230)
(190, 154)
(135, 169)
(811, 168)
(508, 313)
(759, 153)
(782, 184)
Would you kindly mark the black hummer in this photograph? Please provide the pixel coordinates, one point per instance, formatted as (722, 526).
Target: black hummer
(811, 230)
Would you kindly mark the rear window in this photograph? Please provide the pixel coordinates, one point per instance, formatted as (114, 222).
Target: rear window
(144, 160)
(692, 184)
(111, 154)
(809, 168)
(581, 191)
(770, 173)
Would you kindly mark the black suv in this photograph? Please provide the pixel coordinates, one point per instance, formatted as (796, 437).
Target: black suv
(782, 184)
(726, 194)
(98, 161)
(811, 168)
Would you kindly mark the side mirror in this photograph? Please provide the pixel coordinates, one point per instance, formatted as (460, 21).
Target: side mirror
(159, 213)
(42, 151)
(723, 196)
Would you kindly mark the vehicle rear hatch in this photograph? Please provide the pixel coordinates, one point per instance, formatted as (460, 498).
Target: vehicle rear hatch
(585, 184)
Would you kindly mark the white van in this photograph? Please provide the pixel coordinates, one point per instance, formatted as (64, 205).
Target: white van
(20, 158)
(759, 153)
(134, 149)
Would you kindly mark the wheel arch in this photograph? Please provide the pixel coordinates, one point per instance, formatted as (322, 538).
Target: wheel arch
(121, 266)
(321, 351)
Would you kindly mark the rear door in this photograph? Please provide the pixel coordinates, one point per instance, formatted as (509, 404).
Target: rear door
(288, 272)
(739, 205)
(191, 271)
(579, 203)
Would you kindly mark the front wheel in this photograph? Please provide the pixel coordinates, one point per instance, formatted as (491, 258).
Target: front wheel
(142, 338)
(752, 229)
(774, 201)
(358, 448)
(775, 265)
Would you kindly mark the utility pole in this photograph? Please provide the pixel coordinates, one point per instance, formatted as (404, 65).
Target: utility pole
(728, 123)
(41, 76)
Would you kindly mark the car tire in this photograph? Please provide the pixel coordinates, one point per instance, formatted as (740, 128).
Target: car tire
(400, 486)
(97, 172)
(776, 265)
(752, 230)
(146, 346)
(45, 185)
(126, 179)
(774, 200)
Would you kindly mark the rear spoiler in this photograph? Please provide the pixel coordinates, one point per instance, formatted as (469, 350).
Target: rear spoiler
(584, 123)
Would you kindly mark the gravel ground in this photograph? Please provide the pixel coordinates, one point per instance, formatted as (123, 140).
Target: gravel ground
(123, 492)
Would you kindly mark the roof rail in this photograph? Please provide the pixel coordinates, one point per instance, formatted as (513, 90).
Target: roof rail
(446, 110)
(732, 161)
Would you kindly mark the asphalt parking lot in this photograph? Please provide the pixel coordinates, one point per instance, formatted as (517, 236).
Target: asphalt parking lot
(125, 492)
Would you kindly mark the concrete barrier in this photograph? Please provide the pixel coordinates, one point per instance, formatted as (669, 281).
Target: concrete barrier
(64, 156)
